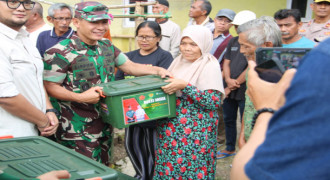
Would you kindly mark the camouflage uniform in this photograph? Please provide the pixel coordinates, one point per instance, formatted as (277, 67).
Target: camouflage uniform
(78, 66)
(92, 11)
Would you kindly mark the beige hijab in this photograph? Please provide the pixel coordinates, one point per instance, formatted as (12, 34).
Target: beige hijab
(205, 72)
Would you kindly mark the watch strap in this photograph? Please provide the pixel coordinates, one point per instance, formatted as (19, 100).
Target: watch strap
(54, 111)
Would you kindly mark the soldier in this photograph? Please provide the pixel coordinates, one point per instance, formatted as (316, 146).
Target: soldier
(73, 69)
(318, 29)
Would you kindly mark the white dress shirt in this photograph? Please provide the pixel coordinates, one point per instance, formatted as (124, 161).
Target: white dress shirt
(21, 71)
(35, 34)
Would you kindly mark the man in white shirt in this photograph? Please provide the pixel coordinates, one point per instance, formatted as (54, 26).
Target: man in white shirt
(171, 32)
(140, 113)
(36, 24)
(23, 100)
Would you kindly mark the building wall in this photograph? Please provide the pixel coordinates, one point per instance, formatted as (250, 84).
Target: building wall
(179, 10)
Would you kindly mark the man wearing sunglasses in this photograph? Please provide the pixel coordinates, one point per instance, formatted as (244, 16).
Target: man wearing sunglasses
(23, 101)
(60, 15)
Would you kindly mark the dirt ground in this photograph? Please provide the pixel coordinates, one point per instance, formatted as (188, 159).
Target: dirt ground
(223, 167)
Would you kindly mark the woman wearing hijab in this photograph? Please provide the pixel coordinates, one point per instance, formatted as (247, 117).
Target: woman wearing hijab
(140, 138)
(186, 145)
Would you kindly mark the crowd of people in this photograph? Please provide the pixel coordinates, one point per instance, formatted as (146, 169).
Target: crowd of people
(50, 75)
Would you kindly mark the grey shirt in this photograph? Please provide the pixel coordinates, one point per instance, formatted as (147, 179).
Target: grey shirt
(171, 34)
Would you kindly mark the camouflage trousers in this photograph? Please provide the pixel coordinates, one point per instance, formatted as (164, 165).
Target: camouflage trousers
(99, 150)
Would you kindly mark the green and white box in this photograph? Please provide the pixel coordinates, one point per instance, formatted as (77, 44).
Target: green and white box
(137, 100)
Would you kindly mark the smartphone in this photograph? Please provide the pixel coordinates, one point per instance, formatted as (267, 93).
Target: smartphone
(272, 62)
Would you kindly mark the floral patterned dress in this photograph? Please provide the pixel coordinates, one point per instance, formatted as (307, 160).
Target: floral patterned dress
(186, 146)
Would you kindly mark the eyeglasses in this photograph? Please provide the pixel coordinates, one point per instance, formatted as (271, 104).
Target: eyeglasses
(14, 4)
(62, 19)
(223, 19)
(148, 38)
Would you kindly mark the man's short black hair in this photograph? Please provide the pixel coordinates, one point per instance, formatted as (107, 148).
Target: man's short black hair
(163, 2)
(285, 13)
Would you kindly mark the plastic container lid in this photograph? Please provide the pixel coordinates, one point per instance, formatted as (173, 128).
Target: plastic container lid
(29, 157)
(137, 84)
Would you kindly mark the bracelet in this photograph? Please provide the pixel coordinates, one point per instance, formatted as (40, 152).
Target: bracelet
(45, 124)
(270, 110)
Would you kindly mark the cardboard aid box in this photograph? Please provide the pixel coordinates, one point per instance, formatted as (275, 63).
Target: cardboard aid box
(137, 100)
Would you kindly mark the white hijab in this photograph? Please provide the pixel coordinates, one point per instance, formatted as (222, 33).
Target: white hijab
(205, 72)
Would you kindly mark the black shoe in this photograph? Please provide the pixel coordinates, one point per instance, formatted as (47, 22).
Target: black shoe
(137, 176)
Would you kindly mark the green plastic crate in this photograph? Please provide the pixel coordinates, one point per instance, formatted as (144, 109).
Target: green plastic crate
(29, 157)
(136, 100)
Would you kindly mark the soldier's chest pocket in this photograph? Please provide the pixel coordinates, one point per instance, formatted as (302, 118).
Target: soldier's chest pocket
(83, 73)
(109, 63)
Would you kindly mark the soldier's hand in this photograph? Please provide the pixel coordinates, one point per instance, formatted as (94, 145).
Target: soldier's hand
(91, 96)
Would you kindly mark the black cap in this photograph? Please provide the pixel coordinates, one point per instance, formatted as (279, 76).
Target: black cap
(163, 2)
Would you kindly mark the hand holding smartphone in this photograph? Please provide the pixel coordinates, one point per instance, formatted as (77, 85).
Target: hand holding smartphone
(272, 62)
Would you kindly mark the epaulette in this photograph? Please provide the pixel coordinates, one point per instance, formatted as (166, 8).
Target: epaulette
(309, 23)
(327, 25)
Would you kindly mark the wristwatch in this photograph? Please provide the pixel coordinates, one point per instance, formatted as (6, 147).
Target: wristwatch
(54, 111)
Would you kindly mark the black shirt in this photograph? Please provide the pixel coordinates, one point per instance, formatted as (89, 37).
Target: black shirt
(238, 64)
(160, 58)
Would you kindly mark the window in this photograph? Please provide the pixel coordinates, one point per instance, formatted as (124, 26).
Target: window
(130, 22)
(303, 6)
